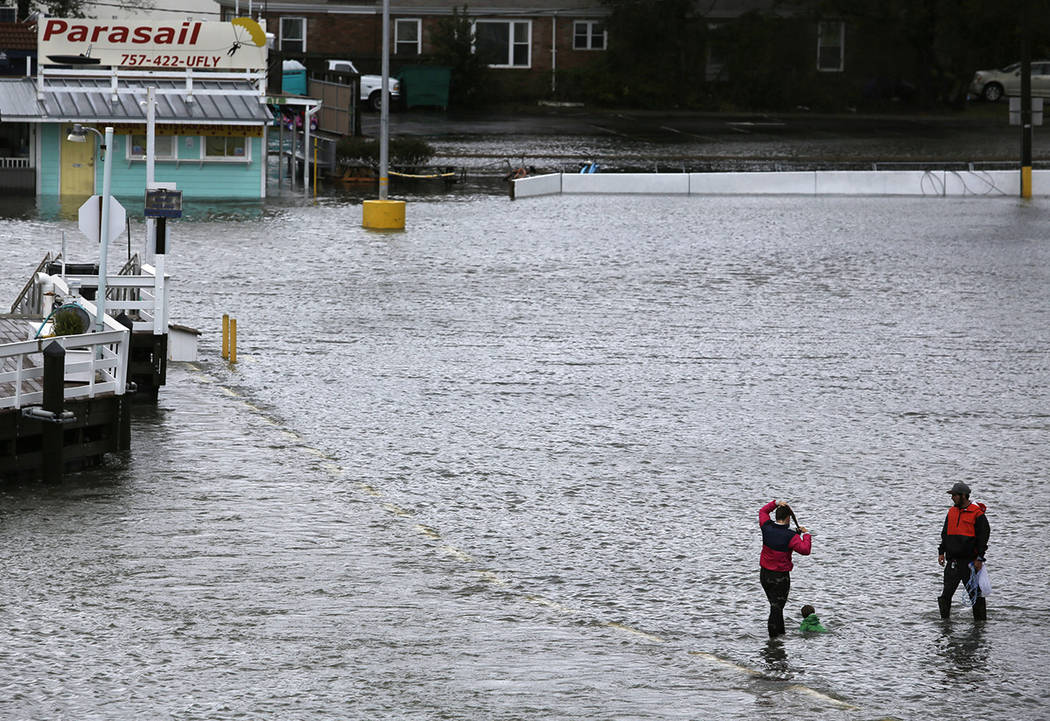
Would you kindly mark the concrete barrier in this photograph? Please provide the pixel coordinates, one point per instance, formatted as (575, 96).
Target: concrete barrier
(931, 183)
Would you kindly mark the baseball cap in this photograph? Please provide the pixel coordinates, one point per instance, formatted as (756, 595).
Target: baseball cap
(960, 488)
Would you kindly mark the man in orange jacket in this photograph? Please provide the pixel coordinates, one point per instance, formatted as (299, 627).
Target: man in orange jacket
(964, 539)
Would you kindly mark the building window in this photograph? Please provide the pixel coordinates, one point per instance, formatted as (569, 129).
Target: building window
(831, 46)
(504, 43)
(225, 147)
(163, 147)
(293, 35)
(408, 38)
(588, 35)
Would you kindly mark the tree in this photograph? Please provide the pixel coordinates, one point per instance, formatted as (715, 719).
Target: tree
(453, 41)
(77, 8)
(656, 50)
(934, 44)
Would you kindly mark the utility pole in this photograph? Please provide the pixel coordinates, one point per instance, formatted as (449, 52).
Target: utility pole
(1026, 100)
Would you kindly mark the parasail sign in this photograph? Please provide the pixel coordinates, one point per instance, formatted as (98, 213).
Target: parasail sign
(153, 44)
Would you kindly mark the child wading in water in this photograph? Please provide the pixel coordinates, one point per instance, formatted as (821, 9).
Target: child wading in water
(810, 622)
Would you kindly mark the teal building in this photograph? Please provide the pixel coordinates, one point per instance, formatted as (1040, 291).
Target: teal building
(209, 131)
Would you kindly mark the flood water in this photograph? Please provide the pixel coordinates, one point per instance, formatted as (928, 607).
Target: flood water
(507, 465)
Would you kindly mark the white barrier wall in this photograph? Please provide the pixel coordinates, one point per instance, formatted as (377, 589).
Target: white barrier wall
(933, 183)
(650, 183)
(791, 183)
(535, 185)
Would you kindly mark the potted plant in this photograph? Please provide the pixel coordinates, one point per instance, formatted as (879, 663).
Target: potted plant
(71, 319)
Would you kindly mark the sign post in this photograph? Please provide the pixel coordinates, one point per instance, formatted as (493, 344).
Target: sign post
(161, 203)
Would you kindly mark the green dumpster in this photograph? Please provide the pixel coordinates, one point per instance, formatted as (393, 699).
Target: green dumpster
(425, 85)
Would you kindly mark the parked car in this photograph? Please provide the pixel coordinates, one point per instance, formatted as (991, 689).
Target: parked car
(994, 84)
(370, 84)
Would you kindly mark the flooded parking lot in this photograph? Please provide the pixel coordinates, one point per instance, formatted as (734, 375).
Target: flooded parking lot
(507, 465)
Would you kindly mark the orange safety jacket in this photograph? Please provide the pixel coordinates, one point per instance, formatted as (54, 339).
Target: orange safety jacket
(965, 532)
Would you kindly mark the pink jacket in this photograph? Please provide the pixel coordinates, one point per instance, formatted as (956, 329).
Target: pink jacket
(779, 541)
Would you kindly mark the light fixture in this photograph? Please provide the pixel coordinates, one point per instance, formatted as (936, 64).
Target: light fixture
(79, 135)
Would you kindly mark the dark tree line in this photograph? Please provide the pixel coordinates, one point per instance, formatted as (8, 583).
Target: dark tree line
(922, 52)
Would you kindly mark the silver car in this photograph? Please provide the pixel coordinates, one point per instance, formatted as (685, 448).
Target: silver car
(994, 84)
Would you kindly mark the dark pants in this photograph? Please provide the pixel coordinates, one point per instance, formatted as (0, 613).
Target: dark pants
(776, 584)
(955, 572)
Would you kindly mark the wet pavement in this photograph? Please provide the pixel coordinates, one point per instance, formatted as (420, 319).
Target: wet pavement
(564, 137)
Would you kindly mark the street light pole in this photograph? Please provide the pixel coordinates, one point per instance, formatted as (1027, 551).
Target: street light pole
(384, 108)
(103, 233)
(151, 153)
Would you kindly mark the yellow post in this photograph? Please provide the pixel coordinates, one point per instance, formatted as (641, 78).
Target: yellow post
(1026, 182)
(225, 335)
(384, 214)
(233, 340)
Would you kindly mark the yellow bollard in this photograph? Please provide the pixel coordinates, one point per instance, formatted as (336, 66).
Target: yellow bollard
(384, 214)
(1026, 182)
(225, 335)
(233, 340)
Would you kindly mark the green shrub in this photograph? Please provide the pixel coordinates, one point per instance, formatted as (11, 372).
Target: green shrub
(67, 321)
(404, 152)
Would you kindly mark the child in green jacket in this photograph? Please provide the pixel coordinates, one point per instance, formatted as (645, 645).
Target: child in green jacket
(810, 622)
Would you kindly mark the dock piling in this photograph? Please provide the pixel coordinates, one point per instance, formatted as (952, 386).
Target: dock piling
(52, 463)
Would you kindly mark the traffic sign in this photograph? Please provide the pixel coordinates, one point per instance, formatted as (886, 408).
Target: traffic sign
(90, 216)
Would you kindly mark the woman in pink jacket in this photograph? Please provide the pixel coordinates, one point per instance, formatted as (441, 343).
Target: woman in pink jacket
(778, 541)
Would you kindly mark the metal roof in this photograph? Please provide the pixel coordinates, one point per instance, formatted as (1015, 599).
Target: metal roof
(18, 99)
(211, 102)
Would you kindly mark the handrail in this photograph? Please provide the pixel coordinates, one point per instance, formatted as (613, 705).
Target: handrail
(132, 267)
(105, 364)
(32, 280)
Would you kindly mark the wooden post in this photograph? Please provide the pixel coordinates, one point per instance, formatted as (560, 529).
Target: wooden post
(233, 340)
(225, 335)
(52, 463)
(124, 423)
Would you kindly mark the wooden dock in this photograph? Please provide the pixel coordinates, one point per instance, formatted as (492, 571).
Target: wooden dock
(14, 328)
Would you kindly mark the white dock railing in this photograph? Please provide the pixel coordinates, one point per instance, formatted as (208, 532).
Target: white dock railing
(100, 359)
(136, 290)
(141, 294)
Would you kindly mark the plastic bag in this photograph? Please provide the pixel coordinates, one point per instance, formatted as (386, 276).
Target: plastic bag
(978, 585)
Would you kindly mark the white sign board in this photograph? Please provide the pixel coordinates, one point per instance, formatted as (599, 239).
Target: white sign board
(153, 44)
(90, 216)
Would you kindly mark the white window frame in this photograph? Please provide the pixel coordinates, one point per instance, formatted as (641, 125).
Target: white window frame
(246, 158)
(822, 26)
(397, 36)
(590, 34)
(285, 39)
(172, 154)
(512, 43)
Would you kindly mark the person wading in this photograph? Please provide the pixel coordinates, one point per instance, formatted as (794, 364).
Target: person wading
(964, 539)
(778, 541)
